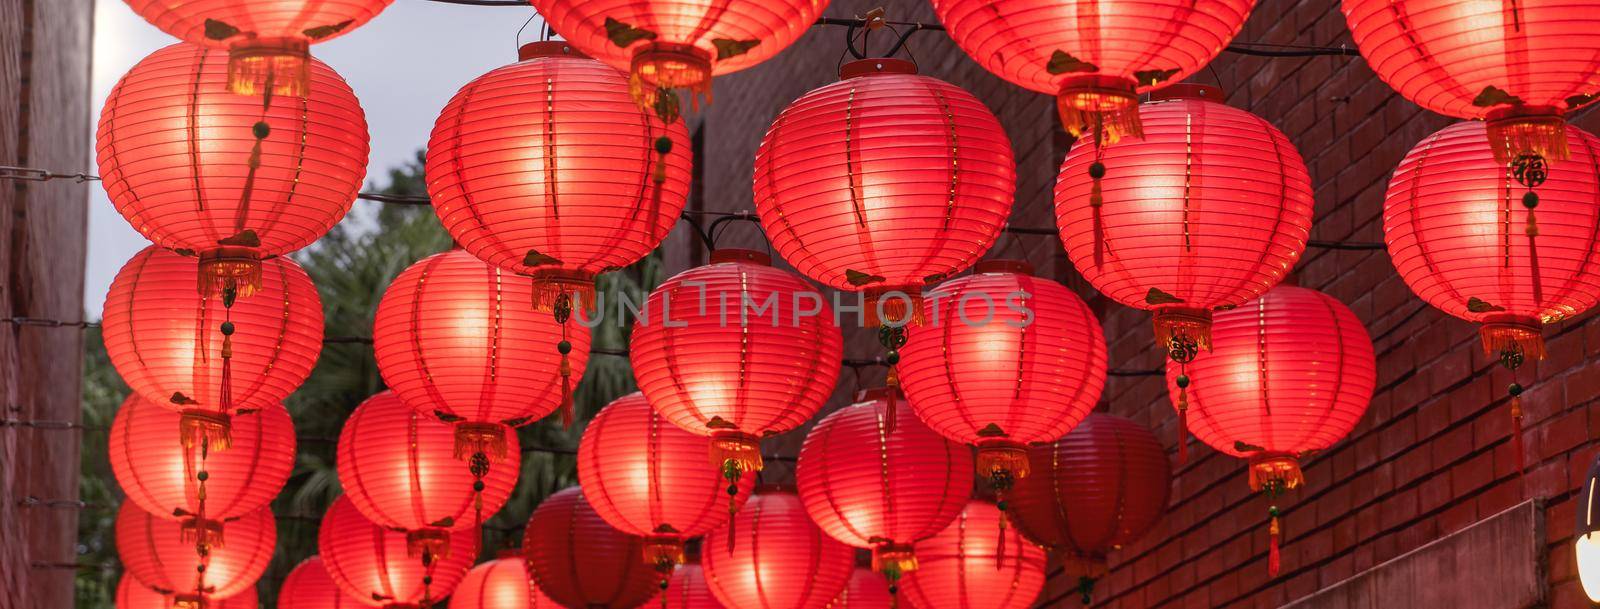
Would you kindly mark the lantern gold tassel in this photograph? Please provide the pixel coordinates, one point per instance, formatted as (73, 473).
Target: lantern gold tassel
(893, 558)
(1113, 122)
(428, 543)
(664, 548)
(1509, 333)
(1515, 131)
(199, 427)
(473, 438)
(551, 286)
(731, 446)
(1184, 325)
(277, 66)
(202, 532)
(229, 268)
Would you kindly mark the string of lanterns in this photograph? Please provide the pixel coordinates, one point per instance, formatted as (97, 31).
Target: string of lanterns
(235, 148)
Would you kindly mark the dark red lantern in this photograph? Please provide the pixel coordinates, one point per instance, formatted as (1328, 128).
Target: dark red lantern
(547, 168)
(1093, 491)
(133, 595)
(310, 587)
(173, 345)
(867, 589)
(371, 563)
(230, 179)
(580, 561)
(1520, 66)
(398, 467)
(1289, 373)
(502, 583)
(726, 351)
(968, 567)
(648, 478)
(163, 555)
(268, 43)
(774, 557)
(689, 590)
(1095, 56)
(884, 182)
(872, 482)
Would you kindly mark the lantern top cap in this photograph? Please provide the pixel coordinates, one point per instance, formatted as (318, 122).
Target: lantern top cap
(875, 66)
(548, 48)
(740, 255)
(1019, 267)
(878, 393)
(1189, 90)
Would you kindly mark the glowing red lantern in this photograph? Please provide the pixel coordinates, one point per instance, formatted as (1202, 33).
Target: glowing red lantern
(689, 590)
(1005, 359)
(268, 44)
(1093, 491)
(172, 345)
(884, 182)
(1467, 241)
(133, 595)
(580, 561)
(1095, 56)
(648, 478)
(967, 566)
(454, 339)
(674, 44)
(547, 168)
(502, 583)
(163, 554)
(310, 587)
(398, 467)
(874, 476)
(371, 563)
(1518, 66)
(162, 476)
(774, 557)
(867, 589)
(729, 351)
(1289, 373)
(230, 179)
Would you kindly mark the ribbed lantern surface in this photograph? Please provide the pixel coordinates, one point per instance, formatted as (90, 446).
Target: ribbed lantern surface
(371, 563)
(884, 181)
(580, 561)
(966, 567)
(867, 590)
(231, 179)
(546, 167)
(161, 553)
(159, 474)
(310, 587)
(689, 590)
(774, 557)
(133, 595)
(502, 583)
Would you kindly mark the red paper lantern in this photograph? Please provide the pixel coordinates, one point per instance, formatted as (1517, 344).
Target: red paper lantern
(547, 168)
(867, 590)
(161, 475)
(398, 467)
(740, 359)
(230, 179)
(1289, 373)
(580, 561)
(1095, 56)
(874, 476)
(502, 583)
(456, 339)
(1095, 490)
(689, 590)
(967, 566)
(1209, 210)
(680, 43)
(168, 342)
(774, 557)
(371, 563)
(133, 595)
(163, 554)
(1519, 66)
(310, 587)
(1005, 359)
(648, 478)
(884, 182)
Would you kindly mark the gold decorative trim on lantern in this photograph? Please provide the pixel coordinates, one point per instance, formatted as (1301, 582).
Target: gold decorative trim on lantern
(1107, 106)
(281, 66)
(1517, 130)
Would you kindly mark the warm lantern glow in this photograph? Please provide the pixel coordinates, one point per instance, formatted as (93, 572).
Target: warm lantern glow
(885, 181)
(371, 563)
(689, 590)
(580, 561)
(133, 595)
(161, 554)
(547, 168)
(502, 583)
(774, 557)
(968, 566)
(230, 179)
(310, 587)
(866, 590)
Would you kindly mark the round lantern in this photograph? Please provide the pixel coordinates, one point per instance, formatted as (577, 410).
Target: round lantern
(455, 338)
(1005, 359)
(133, 595)
(580, 561)
(232, 180)
(196, 354)
(1519, 66)
(372, 563)
(672, 44)
(867, 590)
(1095, 56)
(164, 555)
(1462, 231)
(1289, 373)
(874, 476)
(689, 590)
(268, 44)
(163, 477)
(398, 467)
(1585, 541)
(967, 566)
(502, 583)
(1093, 491)
(648, 478)
(884, 182)
(547, 168)
(729, 350)
(310, 587)
(774, 557)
